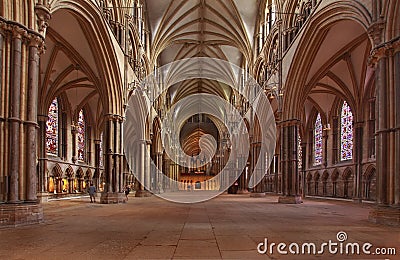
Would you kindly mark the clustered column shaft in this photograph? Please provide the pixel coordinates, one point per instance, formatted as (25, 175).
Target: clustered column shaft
(18, 118)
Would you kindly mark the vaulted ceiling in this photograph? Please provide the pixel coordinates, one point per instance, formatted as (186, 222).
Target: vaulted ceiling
(222, 29)
(207, 28)
(68, 68)
(340, 70)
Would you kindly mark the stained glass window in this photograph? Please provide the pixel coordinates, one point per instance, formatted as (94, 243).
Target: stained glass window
(346, 133)
(52, 128)
(300, 152)
(318, 141)
(81, 135)
(101, 150)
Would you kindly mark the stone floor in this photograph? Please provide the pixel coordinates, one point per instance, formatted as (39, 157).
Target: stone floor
(227, 227)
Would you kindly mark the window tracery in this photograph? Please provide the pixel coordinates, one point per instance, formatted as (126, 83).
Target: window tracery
(346, 133)
(52, 130)
(81, 135)
(318, 140)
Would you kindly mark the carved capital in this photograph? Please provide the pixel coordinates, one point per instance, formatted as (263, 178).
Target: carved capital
(375, 31)
(38, 43)
(384, 50)
(18, 32)
(376, 55)
(359, 125)
(43, 16)
(35, 41)
(290, 122)
(114, 118)
(120, 119)
(3, 27)
(42, 118)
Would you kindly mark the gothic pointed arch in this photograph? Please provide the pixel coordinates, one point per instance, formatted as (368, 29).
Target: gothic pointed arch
(57, 171)
(88, 174)
(69, 172)
(338, 14)
(369, 183)
(79, 173)
(347, 177)
(110, 86)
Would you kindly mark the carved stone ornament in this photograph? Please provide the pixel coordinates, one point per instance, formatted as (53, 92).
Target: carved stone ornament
(43, 15)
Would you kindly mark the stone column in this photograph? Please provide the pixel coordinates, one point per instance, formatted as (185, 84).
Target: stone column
(167, 173)
(70, 185)
(58, 181)
(73, 135)
(289, 162)
(160, 168)
(32, 125)
(3, 163)
(225, 168)
(258, 189)
(325, 136)
(358, 155)
(142, 164)
(42, 156)
(276, 173)
(148, 174)
(121, 154)
(172, 176)
(397, 128)
(109, 162)
(385, 58)
(381, 132)
(116, 156)
(96, 175)
(303, 168)
(242, 177)
(335, 140)
(79, 184)
(18, 120)
(15, 118)
(113, 170)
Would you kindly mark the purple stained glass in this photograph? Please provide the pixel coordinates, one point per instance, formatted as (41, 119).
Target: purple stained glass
(101, 150)
(81, 136)
(346, 133)
(300, 152)
(52, 128)
(318, 141)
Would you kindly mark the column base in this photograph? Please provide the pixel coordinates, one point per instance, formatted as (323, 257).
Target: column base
(19, 214)
(385, 215)
(112, 198)
(290, 200)
(257, 194)
(143, 193)
(43, 197)
(243, 192)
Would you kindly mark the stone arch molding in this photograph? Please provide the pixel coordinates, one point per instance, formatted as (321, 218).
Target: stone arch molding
(327, 15)
(104, 47)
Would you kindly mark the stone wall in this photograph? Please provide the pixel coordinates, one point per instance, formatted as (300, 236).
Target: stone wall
(12, 215)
